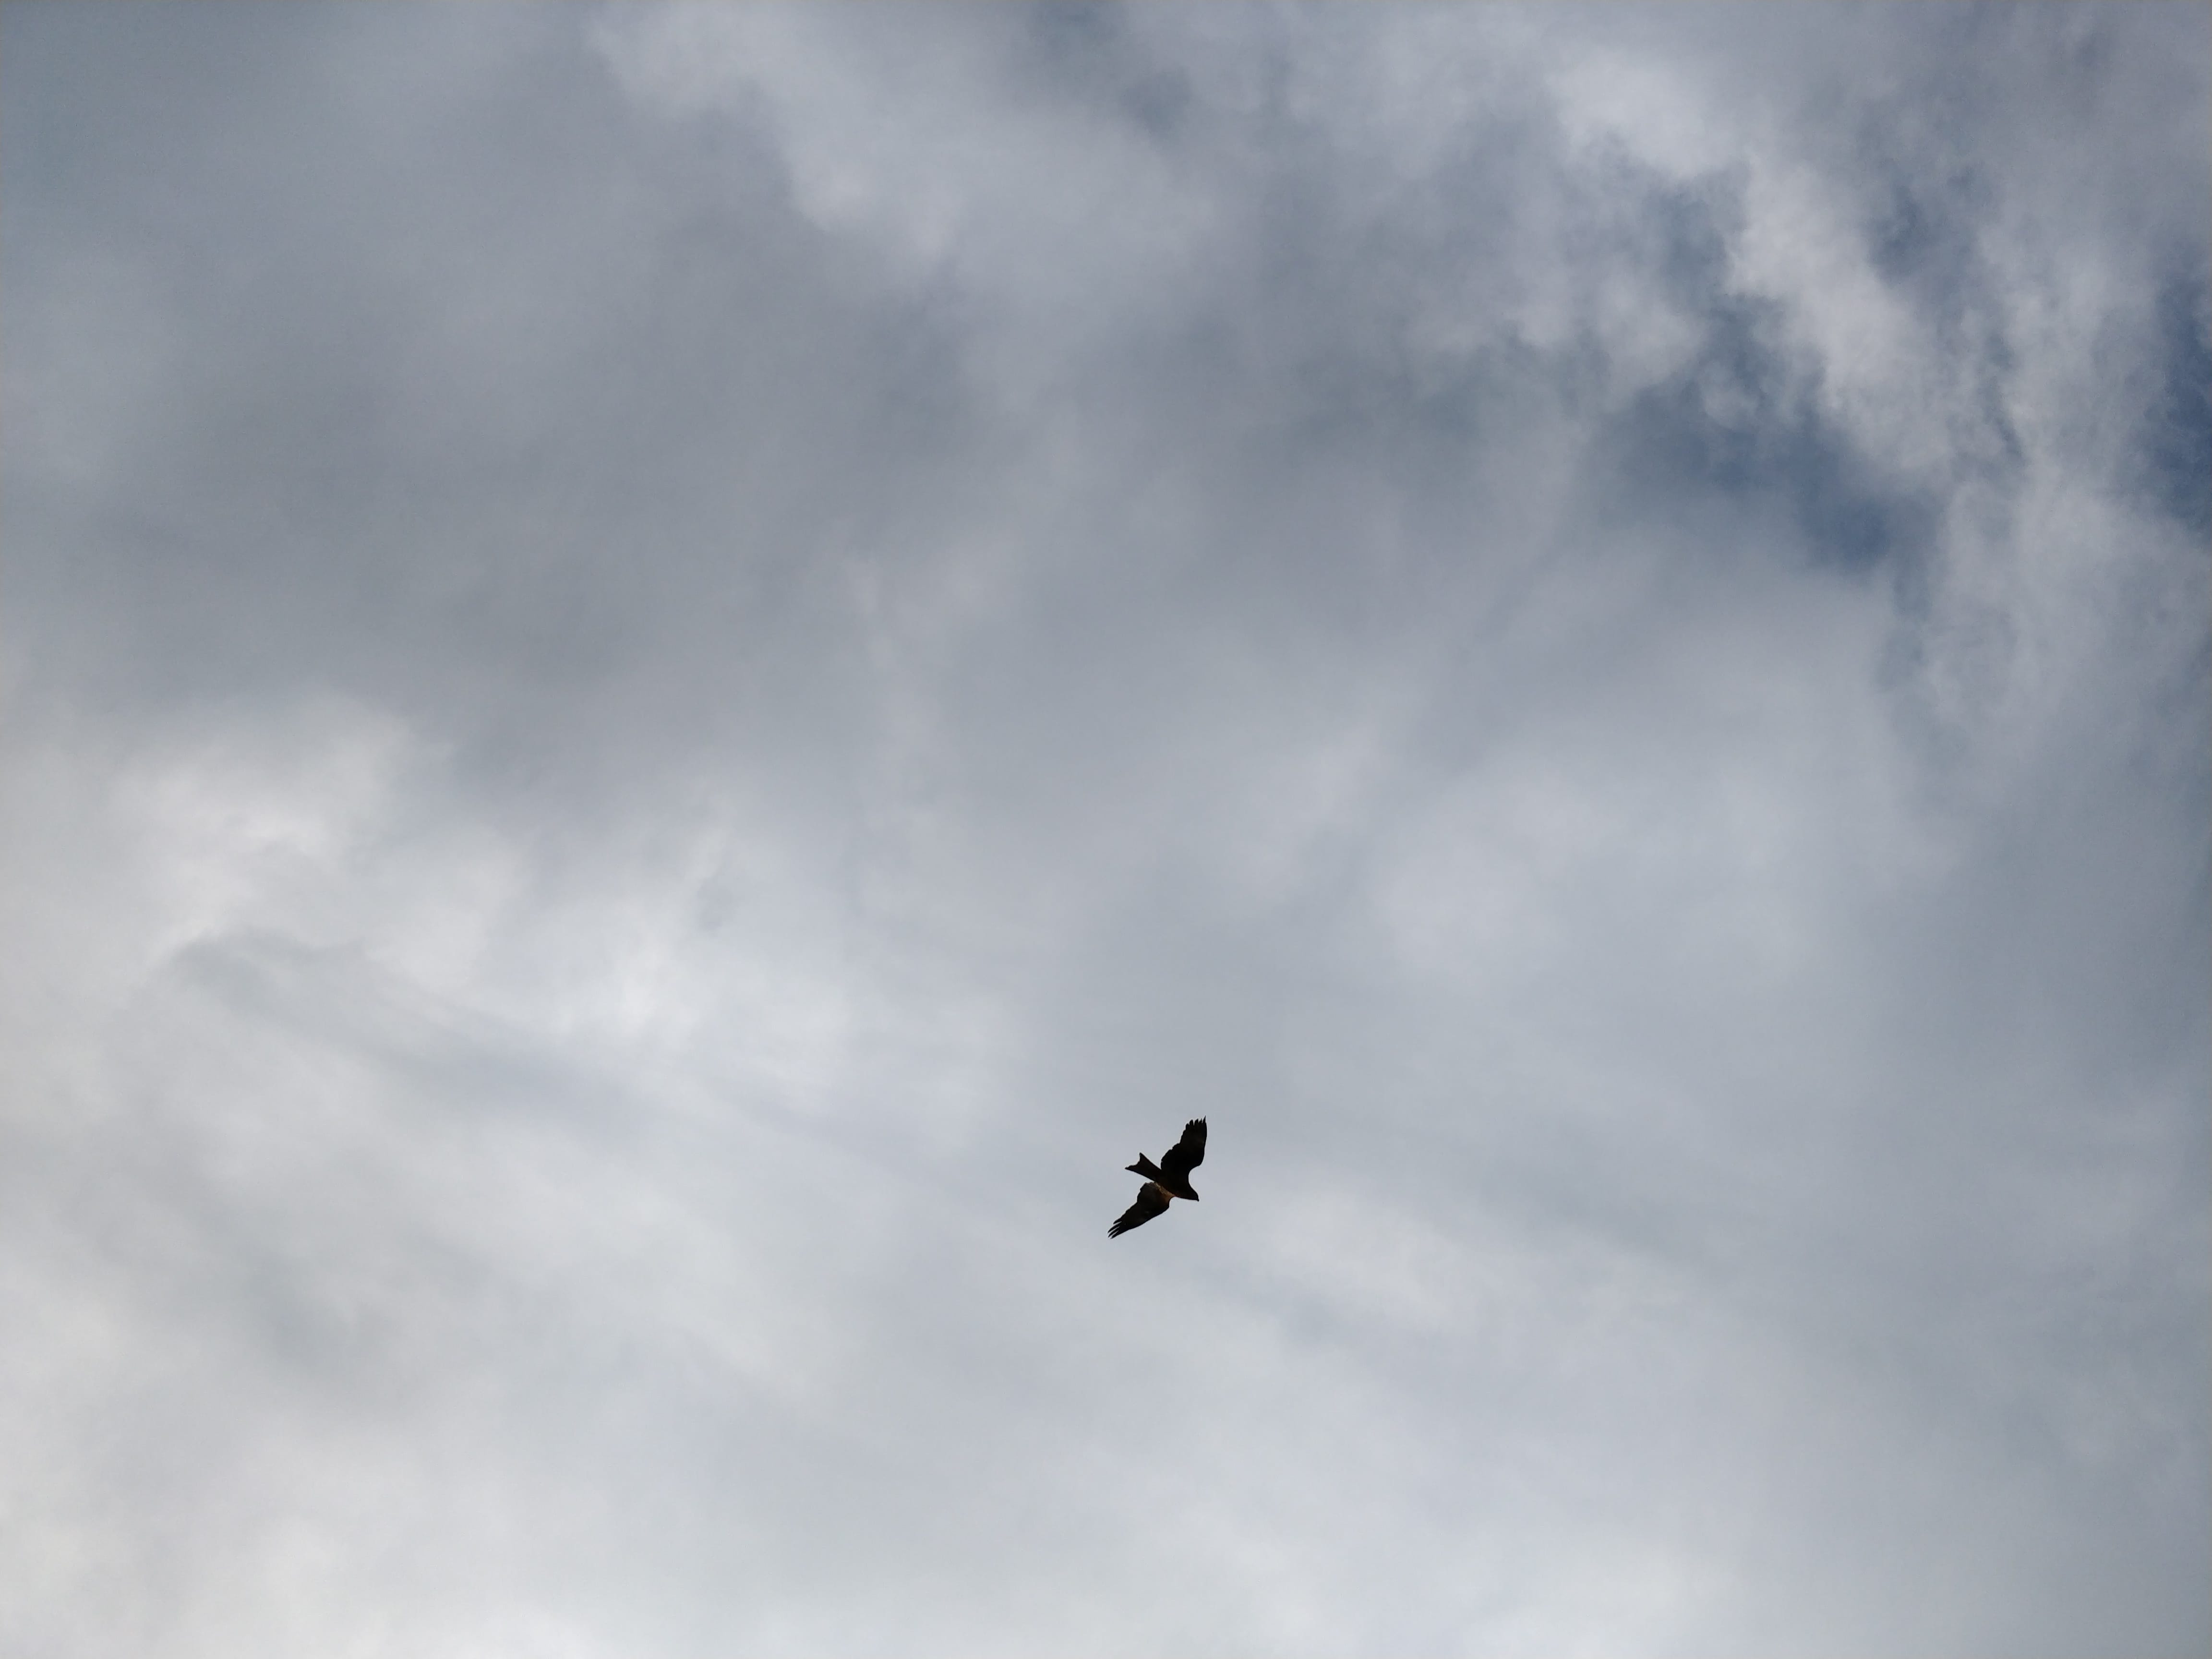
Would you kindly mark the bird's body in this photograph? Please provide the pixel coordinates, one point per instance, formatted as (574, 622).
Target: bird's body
(1168, 1179)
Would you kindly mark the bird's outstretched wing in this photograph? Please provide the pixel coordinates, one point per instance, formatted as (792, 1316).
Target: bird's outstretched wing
(1150, 1202)
(1186, 1154)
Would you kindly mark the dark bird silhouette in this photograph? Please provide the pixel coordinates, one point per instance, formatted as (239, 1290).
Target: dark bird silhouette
(1170, 1178)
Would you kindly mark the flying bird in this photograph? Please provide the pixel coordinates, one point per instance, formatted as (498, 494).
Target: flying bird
(1168, 1178)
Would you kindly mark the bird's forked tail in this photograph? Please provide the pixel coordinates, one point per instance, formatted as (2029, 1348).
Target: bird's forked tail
(1144, 1167)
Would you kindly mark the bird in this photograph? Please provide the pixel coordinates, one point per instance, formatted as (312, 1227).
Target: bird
(1168, 1178)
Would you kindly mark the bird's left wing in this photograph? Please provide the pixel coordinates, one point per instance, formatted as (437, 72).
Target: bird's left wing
(1150, 1202)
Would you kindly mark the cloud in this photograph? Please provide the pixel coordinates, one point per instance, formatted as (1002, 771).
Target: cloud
(673, 673)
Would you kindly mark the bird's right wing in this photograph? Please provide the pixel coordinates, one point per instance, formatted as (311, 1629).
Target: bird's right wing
(1150, 1202)
(1186, 1154)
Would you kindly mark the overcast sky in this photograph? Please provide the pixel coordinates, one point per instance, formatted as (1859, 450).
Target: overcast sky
(670, 675)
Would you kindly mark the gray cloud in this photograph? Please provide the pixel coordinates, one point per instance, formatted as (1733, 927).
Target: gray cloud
(672, 673)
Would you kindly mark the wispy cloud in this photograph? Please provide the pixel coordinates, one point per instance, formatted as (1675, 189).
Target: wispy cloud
(673, 673)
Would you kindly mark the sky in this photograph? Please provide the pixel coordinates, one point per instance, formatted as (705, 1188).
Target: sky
(669, 674)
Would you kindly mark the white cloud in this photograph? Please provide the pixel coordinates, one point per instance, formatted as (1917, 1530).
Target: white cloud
(673, 674)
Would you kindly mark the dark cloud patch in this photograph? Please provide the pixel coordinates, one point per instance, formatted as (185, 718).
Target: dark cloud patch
(2176, 443)
(1741, 424)
(1921, 230)
(1087, 51)
(1733, 430)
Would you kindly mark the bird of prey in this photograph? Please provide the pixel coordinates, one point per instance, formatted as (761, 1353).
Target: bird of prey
(1168, 1178)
